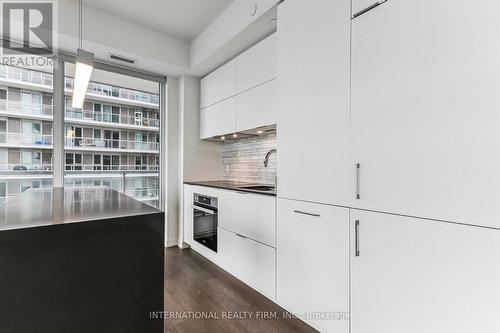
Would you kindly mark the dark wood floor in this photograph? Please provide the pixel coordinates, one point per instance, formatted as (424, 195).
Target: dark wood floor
(194, 285)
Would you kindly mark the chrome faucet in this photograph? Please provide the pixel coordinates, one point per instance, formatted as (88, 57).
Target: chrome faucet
(266, 160)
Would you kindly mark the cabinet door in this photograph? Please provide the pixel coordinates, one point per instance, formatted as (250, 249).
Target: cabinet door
(219, 85)
(250, 215)
(256, 65)
(256, 107)
(415, 276)
(425, 109)
(218, 119)
(313, 101)
(313, 262)
(248, 260)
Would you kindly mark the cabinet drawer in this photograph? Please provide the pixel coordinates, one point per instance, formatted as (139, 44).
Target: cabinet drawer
(313, 261)
(219, 85)
(247, 214)
(248, 260)
(218, 119)
(256, 65)
(256, 107)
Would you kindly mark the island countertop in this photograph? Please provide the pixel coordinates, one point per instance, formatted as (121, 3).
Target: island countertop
(47, 206)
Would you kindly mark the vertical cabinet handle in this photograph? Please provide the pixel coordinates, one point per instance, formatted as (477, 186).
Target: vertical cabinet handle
(356, 238)
(358, 176)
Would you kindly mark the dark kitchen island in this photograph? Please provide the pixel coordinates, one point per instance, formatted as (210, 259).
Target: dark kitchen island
(80, 260)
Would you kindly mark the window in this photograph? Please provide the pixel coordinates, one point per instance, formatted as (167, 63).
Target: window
(123, 153)
(112, 141)
(25, 129)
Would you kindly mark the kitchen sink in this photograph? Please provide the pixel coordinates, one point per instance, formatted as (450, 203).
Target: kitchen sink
(257, 188)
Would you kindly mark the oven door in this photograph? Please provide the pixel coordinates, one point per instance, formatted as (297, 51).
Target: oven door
(205, 226)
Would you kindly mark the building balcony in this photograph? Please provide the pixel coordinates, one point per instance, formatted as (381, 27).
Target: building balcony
(100, 168)
(143, 193)
(93, 144)
(80, 116)
(113, 120)
(26, 167)
(23, 140)
(28, 110)
(41, 81)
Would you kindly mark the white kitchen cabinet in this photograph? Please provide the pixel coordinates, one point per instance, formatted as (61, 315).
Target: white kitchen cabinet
(219, 85)
(313, 262)
(256, 107)
(313, 101)
(425, 111)
(250, 215)
(250, 261)
(218, 119)
(415, 276)
(256, 65)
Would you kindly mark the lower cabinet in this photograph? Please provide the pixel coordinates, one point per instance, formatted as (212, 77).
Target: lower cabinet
(250, 261)
(313, 263)
(412, 275)
(251, 215)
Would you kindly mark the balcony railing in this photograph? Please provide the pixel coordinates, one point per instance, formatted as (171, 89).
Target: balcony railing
(109, 118)
(143, 193)
(110, 144)
(25, 139)
(25, 108)
(42, 78)
(110, 91)
(26, 75)
(98, 168)
(25, 167)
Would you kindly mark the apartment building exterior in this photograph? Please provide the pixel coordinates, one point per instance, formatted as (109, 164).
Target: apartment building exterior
(112, 141)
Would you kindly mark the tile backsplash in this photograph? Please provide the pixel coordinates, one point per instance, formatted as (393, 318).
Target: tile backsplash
(243, 160)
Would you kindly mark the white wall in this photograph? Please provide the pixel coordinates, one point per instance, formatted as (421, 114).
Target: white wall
(172, 163)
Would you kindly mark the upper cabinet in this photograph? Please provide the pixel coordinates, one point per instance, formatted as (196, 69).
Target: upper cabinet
(249, 82)
(256, 107)
(425, 110)
(313, 101)
(219, 85)
(257, 65)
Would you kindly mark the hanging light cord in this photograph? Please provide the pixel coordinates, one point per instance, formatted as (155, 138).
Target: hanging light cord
(80, 10)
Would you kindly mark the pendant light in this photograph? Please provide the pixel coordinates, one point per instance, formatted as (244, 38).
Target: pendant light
(83, 68)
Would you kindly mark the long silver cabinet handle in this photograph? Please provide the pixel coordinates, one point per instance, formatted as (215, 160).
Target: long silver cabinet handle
(367, 9)
(306, 213)
(356, 238)
(358, 179)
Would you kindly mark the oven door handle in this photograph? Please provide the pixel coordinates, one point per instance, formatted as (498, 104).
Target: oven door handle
(204, 210)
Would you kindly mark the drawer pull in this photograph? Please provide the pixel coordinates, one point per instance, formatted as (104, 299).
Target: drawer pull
(306, 213)
(356, 238)
(358, 179)
(367, 9)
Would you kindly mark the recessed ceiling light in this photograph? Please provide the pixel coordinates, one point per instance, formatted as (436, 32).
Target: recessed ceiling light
(260, 132)
(235, 135)
(223, 138)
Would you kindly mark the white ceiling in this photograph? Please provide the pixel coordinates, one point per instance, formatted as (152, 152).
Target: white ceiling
(182, 19)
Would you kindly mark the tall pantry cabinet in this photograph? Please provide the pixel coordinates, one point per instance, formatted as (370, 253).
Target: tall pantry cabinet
(313, 161)
(426, 109)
